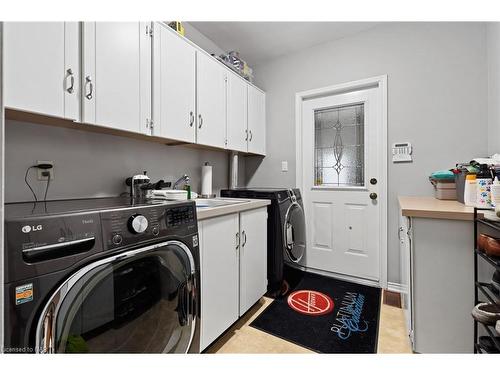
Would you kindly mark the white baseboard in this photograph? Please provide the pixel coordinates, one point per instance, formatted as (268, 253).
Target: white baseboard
(394, 287)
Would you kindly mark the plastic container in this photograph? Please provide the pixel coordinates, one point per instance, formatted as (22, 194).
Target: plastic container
(483, 186)
(469, 194)
(495, 193)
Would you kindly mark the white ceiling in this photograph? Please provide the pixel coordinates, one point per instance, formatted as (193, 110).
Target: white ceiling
(262, 41)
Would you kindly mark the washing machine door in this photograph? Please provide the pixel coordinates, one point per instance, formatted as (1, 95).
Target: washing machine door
(295, 233)
(140, 301)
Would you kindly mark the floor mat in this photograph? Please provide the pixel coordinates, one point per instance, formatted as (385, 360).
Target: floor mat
(326, 315)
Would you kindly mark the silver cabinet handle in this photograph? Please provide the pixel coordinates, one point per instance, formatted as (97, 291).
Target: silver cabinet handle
(251, 136)
(191, 119)
(237, 240)
(200, 121)
(71, 76)
(246, 134)
(88, 80)
(244, 238)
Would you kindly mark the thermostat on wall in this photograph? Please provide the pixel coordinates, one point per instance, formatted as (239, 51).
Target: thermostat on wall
(402, 152)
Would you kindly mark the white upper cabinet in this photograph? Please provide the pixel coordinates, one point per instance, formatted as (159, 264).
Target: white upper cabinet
(211, 101)
(117, 75)
(237, 133)
(174, 85)
(256, 121)
(41, 67)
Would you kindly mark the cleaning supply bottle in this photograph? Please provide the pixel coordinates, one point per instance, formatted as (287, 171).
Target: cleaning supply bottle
(483, 183)
(470, 190)
(495, 193)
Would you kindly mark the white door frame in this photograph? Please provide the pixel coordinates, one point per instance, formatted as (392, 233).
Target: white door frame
(373, 82)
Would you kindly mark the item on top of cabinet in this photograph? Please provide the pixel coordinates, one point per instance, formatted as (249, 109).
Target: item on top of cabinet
(233, 60)
(444, 188)
(470, 193)
(484, 182)
(492, 247)
(487, 313)
(174, 195)
(495, 193)
(177, 26)
(206, 181)
(136, 182)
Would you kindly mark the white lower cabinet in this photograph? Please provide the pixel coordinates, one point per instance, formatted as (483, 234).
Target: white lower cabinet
(233, 252)
(253, 257)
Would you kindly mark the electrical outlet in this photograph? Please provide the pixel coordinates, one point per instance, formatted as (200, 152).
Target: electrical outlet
(40, 172)
(284, 166)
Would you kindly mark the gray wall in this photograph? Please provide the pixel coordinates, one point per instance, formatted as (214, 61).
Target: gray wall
(437, 94)
(96, 165)
(200, 39)
(493, 40)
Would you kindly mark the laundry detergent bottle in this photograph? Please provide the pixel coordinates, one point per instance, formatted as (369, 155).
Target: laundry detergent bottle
(483, 190)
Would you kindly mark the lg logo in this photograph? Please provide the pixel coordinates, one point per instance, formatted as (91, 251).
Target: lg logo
(29, 228)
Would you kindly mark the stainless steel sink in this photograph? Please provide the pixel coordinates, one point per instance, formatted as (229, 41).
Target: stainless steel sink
(217, 202)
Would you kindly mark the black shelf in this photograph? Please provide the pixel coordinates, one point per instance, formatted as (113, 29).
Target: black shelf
(486, 289)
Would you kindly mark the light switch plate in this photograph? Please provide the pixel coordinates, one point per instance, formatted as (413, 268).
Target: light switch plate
(284, 166)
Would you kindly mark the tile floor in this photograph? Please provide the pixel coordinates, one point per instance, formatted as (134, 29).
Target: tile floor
(241, 338)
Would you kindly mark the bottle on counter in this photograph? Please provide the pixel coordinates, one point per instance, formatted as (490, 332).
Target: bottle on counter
(495, 193)
(483, 186)
(470, 190)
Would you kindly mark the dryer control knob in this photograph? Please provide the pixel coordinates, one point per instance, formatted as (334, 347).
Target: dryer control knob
(137, 224)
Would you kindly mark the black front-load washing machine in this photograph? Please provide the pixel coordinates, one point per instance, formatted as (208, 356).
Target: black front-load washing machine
(286, 230)
(101, 276)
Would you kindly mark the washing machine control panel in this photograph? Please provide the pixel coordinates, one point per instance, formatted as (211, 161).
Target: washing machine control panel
(132, 226)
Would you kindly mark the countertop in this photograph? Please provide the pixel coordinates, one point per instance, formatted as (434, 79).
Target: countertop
(248, 204)
(430, 207)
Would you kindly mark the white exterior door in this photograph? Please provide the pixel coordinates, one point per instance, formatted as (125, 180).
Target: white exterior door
(253, 257)
(256, 121)
(237, 132)
(211, 95)
(41, 63)
(342, 156)
(219, 276)
(117, 75)
(174, 85)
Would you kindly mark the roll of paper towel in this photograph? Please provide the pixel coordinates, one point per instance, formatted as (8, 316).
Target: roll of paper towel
(206, 180)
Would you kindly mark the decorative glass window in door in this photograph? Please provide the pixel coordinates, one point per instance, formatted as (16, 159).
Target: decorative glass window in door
(339, 146)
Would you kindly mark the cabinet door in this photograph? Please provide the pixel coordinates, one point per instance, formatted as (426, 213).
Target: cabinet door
(41, 60)
(174, 86)
(219, 276)
(211, 102)
(256, 121)
(253, 257)
(237, 132)
(117, 75)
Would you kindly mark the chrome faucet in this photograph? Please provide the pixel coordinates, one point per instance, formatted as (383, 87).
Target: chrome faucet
(184, 179)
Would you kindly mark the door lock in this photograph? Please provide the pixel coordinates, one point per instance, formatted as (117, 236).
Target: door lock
(373, 196)
(373, 181)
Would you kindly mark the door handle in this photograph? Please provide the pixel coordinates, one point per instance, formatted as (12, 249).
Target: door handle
(237, 240)
(251, 135)
(88, 81)
(246, 134)
(71, 77)
(373, 181)
(373, 196)
(200, 121)
(244, 238)
(191, 119)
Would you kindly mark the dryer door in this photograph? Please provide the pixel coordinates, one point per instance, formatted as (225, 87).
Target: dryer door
(140, 301)
(295, 233)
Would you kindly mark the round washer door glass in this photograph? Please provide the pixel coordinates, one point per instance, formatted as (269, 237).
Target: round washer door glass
(140, 304)
(295, 233)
